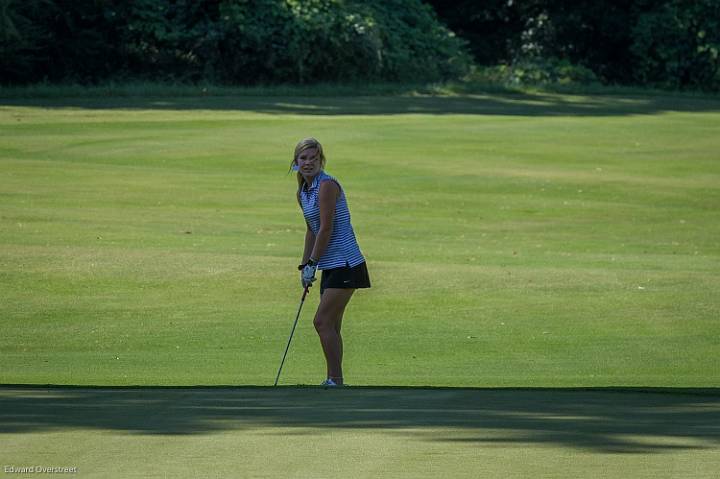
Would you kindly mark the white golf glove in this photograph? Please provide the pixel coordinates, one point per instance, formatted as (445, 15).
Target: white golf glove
(307, 274)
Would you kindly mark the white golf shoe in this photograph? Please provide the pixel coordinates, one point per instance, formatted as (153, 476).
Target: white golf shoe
(329, 383)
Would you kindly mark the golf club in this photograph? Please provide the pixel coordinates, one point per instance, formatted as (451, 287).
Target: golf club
(302, 300)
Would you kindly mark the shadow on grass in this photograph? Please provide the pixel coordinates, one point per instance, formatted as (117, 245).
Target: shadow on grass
(598, 419)
(512, 104)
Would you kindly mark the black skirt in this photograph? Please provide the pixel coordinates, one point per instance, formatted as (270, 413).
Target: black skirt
(345, 278)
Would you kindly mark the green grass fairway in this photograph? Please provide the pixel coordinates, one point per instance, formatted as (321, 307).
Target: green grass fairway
(513, 240)
(522, 248)
(362, 432)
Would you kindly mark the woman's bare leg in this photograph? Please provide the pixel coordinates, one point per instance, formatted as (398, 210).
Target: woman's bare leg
(328, 321)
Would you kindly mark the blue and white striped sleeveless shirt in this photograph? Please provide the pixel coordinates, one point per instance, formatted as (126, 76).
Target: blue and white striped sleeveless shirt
(342, 249)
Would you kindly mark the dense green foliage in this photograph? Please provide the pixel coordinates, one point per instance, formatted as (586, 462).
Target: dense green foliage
(58, 40)
(677, 44)
(662, 43)
(230, 41)
(666, 43)
(535, 71)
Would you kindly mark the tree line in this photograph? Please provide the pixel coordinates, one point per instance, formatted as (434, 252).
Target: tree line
(662, 43)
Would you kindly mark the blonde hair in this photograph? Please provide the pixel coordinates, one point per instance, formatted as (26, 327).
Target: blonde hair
(303, 145)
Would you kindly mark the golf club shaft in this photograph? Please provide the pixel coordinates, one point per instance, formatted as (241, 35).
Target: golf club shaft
(302, 300)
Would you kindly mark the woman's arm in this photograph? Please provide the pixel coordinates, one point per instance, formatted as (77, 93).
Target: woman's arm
(309, 244)
(328, 194)
(309, 237)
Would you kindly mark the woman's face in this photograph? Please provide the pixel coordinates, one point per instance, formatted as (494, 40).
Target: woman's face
(309, 162)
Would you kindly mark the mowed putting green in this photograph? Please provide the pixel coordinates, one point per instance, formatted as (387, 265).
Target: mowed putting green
(362, 432)
(520, 240)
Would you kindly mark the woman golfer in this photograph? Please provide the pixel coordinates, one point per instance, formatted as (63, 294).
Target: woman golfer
(330, 246)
